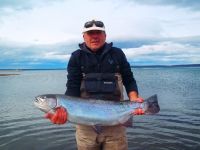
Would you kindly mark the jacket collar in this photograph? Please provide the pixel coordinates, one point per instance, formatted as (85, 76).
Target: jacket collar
(106, 48)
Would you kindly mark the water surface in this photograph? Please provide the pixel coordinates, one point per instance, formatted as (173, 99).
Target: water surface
(176, 127)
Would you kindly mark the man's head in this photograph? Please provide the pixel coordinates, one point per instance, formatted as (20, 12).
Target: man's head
(94, 34)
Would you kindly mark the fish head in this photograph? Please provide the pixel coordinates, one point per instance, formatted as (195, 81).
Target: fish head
(46, 103)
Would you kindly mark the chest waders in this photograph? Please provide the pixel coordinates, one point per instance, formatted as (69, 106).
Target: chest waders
(105, 86)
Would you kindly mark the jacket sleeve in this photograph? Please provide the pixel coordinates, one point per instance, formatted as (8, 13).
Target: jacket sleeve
(127, 75)
(74, 75)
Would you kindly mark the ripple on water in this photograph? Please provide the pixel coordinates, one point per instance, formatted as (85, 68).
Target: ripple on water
(36, 132)
(176, 127)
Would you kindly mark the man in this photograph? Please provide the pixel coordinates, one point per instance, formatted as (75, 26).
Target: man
(98, 70)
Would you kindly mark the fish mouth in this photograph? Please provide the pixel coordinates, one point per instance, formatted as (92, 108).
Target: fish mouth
(38, 100)
(39, 103)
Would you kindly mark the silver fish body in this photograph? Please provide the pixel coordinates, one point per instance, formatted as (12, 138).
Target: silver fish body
(95, 112)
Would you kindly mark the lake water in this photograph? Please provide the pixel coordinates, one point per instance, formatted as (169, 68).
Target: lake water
(176, 127)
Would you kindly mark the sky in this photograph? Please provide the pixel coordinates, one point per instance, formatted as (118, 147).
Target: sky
(43, 33)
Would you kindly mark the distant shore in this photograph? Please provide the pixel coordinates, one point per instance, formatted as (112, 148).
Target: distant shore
(166, 66)
(8, 74)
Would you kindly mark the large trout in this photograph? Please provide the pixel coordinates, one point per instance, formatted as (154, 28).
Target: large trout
(95, 112)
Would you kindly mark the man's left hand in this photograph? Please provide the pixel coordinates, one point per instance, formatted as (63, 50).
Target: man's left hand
(59, 117)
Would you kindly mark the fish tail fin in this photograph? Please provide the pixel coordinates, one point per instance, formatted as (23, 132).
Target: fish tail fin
(151, 105)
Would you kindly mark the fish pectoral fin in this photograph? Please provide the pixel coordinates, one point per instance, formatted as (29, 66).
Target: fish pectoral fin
(98, 129)
(129, 122)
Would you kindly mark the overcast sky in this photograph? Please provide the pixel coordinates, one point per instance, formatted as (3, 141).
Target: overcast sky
(43, 33)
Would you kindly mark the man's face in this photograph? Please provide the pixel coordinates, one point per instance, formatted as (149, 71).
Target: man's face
(94, 39)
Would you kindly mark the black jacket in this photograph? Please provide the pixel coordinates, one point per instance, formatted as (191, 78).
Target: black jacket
(107, 60)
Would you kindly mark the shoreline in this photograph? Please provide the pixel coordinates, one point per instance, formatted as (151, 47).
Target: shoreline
(8, 74)
(12, 71)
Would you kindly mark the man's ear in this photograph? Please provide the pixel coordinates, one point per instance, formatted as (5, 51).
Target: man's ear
(105, 33)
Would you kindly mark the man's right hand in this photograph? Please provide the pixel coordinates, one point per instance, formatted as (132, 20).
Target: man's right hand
(59, 117)
(138, 111)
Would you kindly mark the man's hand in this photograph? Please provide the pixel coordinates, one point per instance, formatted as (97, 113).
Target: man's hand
(59, 117)
(138, 111)
(138, 100)
(133, 96)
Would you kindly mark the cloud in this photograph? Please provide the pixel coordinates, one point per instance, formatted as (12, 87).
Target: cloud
(47, 24)
(30, 4)
(48, 21)
(24, 4)
(16, 4)
(56, 56)
(34, 56)
(167, 52)
(47, 31)
(138, 51)
(191, 4)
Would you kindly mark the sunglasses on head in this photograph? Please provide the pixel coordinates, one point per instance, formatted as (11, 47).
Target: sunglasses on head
(91, 23)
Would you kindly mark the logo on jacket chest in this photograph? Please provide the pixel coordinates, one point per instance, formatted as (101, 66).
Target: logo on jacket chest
(110, 61)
